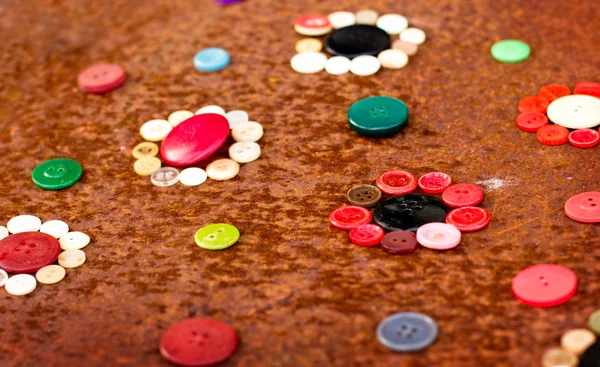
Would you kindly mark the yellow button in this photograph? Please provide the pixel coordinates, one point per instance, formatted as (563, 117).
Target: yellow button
(50, 274)
(145, 149)
(308, 44)
(71, 258)
(577, 340)
(557, 357)
(145, 166)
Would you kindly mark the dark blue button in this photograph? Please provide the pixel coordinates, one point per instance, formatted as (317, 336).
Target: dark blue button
(407, 332)
(409, 212)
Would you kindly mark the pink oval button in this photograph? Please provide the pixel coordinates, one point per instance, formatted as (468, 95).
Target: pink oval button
(584, 207)
(101, 78)
(438, 236)
(544, 285)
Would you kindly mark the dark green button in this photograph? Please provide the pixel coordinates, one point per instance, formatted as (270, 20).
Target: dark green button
(378, 116)
(57, 174)
(217, 236)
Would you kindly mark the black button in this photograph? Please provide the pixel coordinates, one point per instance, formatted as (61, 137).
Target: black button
(356, 40)
(591, 357)
(409, 212)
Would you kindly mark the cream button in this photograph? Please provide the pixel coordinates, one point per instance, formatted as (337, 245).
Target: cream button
(50, 274)
(74, 241)
(250, 131)
(222, 169)
(308, 62)
(413, 35)
(409, 48)
(178, 117)
(71, 258)
(192, 176)
(145, 149)
(309, 45)
(367, 16)
(337, 65)
(24, 223)
(166, 176)
(392, 23)
(155, 130)
(146, 166)
(244, 151)
(20, 284)
(557, 357)
(3, 232)
(236, 118)
(364, 65)
(577, 341)
(576, 111)
(55, 228)
(211, 109)
(341, 19)
(393, 59)
(3, 277)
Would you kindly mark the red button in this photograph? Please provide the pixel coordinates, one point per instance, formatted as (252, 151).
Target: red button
(462, 194)
(101, 78)
(531, 121)
(552, 135)
(348, 217)
(544, 285)
(28, 252)
(434, 182)
(591, 89)
(533, 104)
(194, 139)
(198, 342)
(396, 182)
(313, 21)
(399, 242)
(584, 138)
(469, 218)
(553, 92)
(584, 207)
(366, 235)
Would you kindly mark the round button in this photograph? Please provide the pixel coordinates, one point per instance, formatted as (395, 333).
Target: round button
(3, 232)
(57, 174)
(591, 89)
(435, 182)
(409, 212)
(223, 169)
(178, 117)
(392, 23)
(533, 104)
(71, 259)
(217, 236)
(309, 45)
(244, 151)
(409, 48)
(146, 166)
(396, 182)
(557, 357)
(24, 223)
(413, 35)
(591, 356)
(378, 116)
(3, 278)
(584, 138)
(144, 150)
(337, 65)
(341, 19)
(366, 196)
(393, 59)
(364, 65)
(101, 78)
(459, 195)
(74, 241)
(367, 16)
(510, 51)
(55, 228)
(438, 236)
(308, 62)
(584, 207)
(554, 91)
(198, 342)
(348, 217)
(193, 176)
(594, 322)
(155, 130)
(531, 121)
(469, 218)
(312, 25)
(577, 111)
(577, 341)
(211, 109)
(366, 235)
(236, 118)
(552, 135)
(211, 59)
(20, 284)
(407, 332)
(544, 285)
(357, 40)
(27, 252)
(50, 274)
(250, 131)
(399, 242)
(164, 177)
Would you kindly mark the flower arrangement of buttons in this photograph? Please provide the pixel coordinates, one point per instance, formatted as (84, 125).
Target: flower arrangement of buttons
(188, 138)
(411, 219)
(33, 247)
(579, 112)
(359, 43)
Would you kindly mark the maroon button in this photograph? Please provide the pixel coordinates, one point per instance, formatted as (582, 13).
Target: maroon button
(28, 252)
(399, 242)
(101, 78)
(396, 182)
(348, 217)
(194, 139)
(366, 235)
(434, 182)
(469, 218)
(198, 342)
(462, 194)
(584, 138)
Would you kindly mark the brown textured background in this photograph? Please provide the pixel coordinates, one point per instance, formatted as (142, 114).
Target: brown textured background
(297, 290)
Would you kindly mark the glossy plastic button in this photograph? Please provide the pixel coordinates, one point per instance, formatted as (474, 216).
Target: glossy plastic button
(435, 182)
(145, 149)
(531, 121)
(552, 135)
(312, 25)
(3, 278)
(438, 236)
(341, 19)
(588, 88)
(348, 217)
(409, 212)
(366, 235)
(155, 130)
(193, 176)
(57, 174)
(337, 65)
(469, 218)
(575, 112)
(392, 23)
(510, 51)
(544, 285)
(393, 59)
(577, 341)
(50, 274)
(308, 62)
(407, 332)
(74, 241)
(223, 169)
(366, 196)
(211, 109)
(408, 48)
(244, 151)
(554, 91)
(533, 104)
(399, 242)
(250, 131)
(378, 116)
(364, 65)
(164, 177)
(178, 117)
(146, 166)
(309, 45)
(557, 357)
(459, 195)
(211, 59)
(413, 35)
(71, 259)
(367, 16)
(101, 78)
(584, 207)
(20, 285)
(3, 232)
(584, 138)
(217, 236)
(236, 118)
(24, 223)
(27, 252)
(357, 40)
(55, 228)
(594, 322)
(396, 182)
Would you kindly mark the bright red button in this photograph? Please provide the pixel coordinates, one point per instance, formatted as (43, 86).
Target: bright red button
(584, 207)
(552, 135)
(531, 121)
(101, 78)
(533, 104)
(396, 182)
(348, 217)
(198, 342)
(194, 139)
(591, 89)
(544, 285)
(28, 252)
(469, 218)
(553, 92)
(313, 21)
(434, 182)
(584, 138)
(462, 194)
(367, 235)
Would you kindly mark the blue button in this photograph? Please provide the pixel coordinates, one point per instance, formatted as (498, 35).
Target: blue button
(211, 59)
(407, 331)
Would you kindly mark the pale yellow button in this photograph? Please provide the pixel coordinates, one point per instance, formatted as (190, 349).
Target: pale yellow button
(367, 16)
(223, 169)
(178, 117)
(393, 59)
(250, 131)
(155, 130)
(145, 149)
(145, 166)
(577, 340)
(74, 241)
(71, 258)
(557, 357)
(308, 45)
(50, 274)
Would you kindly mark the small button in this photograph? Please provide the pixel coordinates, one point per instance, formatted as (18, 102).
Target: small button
(309, 45)
(409, 48)
(438, 236)
(164, 177)
(146, 166)
(584, 138)
(55, 228)
(553, 92)
(552, 135)
(250, 131)
(101, 78)
(584, 207)
(510, 51)
(71, 259)
(544, 285)
(341, 19)
(463, 194)
(3, 232)
(588, 88)
(409, 212)
(392, 23)
(155, 130)
(308, 62)
(594, 322)
(407, 332)
(435, 182)
(591, 356)
(575, 112)
(469, 218)
(366, 196)
(27, 252)
(312, 25)
(236, 118)
(50, 274)
(348, 217)
(337, 65)
(393, 59)
(244, 151)
(24, 223)
(366, 235)
(211, 59)
(57, 174)
(531, 121)
(413, 35)
(3, 278)
(357, 40)
(217, 236)
(145, 149)
(20, 284)
(178, 117)
(399, 242)
(533, 104)
(557, 357)
(396, 182)
(192, 176)
(211, 109)
(367, 16)
(364, 65)
(74, 241)
(577, 341)
(378, 116)
(222, 169)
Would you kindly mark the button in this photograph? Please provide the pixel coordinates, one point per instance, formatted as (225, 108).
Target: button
(510, 51)
(366, 196)
(591, 356)
(24, 223)
(469, 218)
(409, 48)
(409, 212)
(146, 166)
(393, 59)
(396, 182)
(399, 242)
(101, 78)
(194, 139)
(438, 236)
(378, 116)
(462, 194)
(413, 35)
(55, 228)
(145, 149)
(211, 109)
(309, 45)
(71, 259)
(367, 16)
(591, 89)
(435, 182)
(575, 112)
(357, 40)
(312, 25)
(584, 207)
(407, 332)
(155, 130)
(28, 252)
(337, 65)
(366, 235)
(251, 131)
(341, 19)
(164, 177)
(244, 151)
(552, 135)
(348, 217)
(211, 59)
(544, 285)
(392, 23)
(50, 274)
(308, 62)
(577, 341)
(557, 357)
(74, 241)
(20, 284)
(57, 174)
(178, 117)
(584, 138)
(533, 104)
(223, 169)
(192, 176)
(217, 236)
(554, 91)
(3, 232)
(364, 65)
(236, 118)
(198, 342)
(594, 322)
(3, 277)
(531, 121)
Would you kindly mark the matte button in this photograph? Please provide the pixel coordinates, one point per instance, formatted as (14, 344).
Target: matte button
(557, 357)
(193, 176)
(393, 59)
(399, 242)
(510, 51)
(552, 135)
(236, 118)
(57, 174)
(3, 232)
(178, 117)
(308, 62)
(533, 104)
(409, 49)
(591, 357)
(24, 223)
(584, 207)
(378, 116)
(531, 121)
(554, 91)
(164, 177)
(3, 278)
(396, 182)
(584, 138)
(366, 196)
(575, 112)
(366, 235)
(312, 25)
(223, 169)
(435, 182)
(594, 322)
(309, 45)
(244, 151)
(392, 23)
(469, 218)
(217, 236)
(155, 130)
(591, 89)
(211, 109)
(341, 19)
(250, 131)
(348, 217)
(544, 285)
(407, 332)
(577, 341)
(20, 284)
(74, 241)
(27, 252)
(357, 40)
(337, 65)
(463, 194)
(413, 35)
(211, 59)
(101, 78)
(367, 16)
(146, 166)
(145, 149)
(438, 236)
(364, 65)
(50, 274)
(55, 228)
(409, 212)
(71, 259)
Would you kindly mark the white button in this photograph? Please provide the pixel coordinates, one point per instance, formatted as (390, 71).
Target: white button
(74, 241)
(393, 59)
(337, 65)
(413, 35)
(341, 19)
(222, 169)
(364, 65)
(71, 258)
(55, 228)
(3, 232)
(192, 176)
(166, 176)
(20, 284)
(3, 278)
(24, 223)
(367, 16)
(244, 151)
(309, 62)
(236, 118)
(155, 130)
(392, 23)
(178, 117)
(250, 131)
(50, 274)
(211, 109)
(577, 111)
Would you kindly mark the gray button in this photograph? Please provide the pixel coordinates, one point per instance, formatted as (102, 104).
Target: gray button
(407, 331)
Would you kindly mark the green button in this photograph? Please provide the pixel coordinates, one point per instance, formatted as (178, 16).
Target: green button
(378, 116)
(510, 51)
(594, 322)
(57, 174)
(217, 236)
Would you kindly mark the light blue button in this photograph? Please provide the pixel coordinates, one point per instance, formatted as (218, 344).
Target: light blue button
(211, 59)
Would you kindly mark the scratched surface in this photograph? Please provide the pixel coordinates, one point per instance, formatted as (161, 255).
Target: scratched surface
(298, 292)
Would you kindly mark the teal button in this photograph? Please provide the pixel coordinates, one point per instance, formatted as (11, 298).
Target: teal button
(510, 51)
(57, 174)
(217, 236)
(378, 116)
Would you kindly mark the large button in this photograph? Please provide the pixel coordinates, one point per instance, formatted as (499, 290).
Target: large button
(469, 218)
(594, 322)
(20, 284)
(396, 182)
(544, 285)
(510, 51)
(194, 139)
(145, 149)
(155, 130)
(463, 194)
(364, 65)
(584, 207)
(192, 176)
(409, 212)
(164, 177)
(366, 235)
(244, 151)
(250, 131)
(101, 78)
(399, 242)
(531, 121)
(589, 88)
(217, 236)
(591, 357)
(223, 169)
(552, 135)
(74, 241)
(27, 252)
(584, 138)
(557, 357)
(378, 116)
(554, 91)
(435, 182)
(348, 217)
(438, 236)
(392, 23)
(55, 228)
(309, 62)
(24, 223)
(357, 40)
(407, 332)
(198, 342)
(577, 341)
(50, 274)
(57, 174)
(577, 111)
(71, 259)
(312, 25)
(211, 59)
(146, 166)
(364, 195)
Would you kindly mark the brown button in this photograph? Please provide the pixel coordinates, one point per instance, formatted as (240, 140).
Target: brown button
(577, 340)
(364, 195)
(399, 242)
(557, 357)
